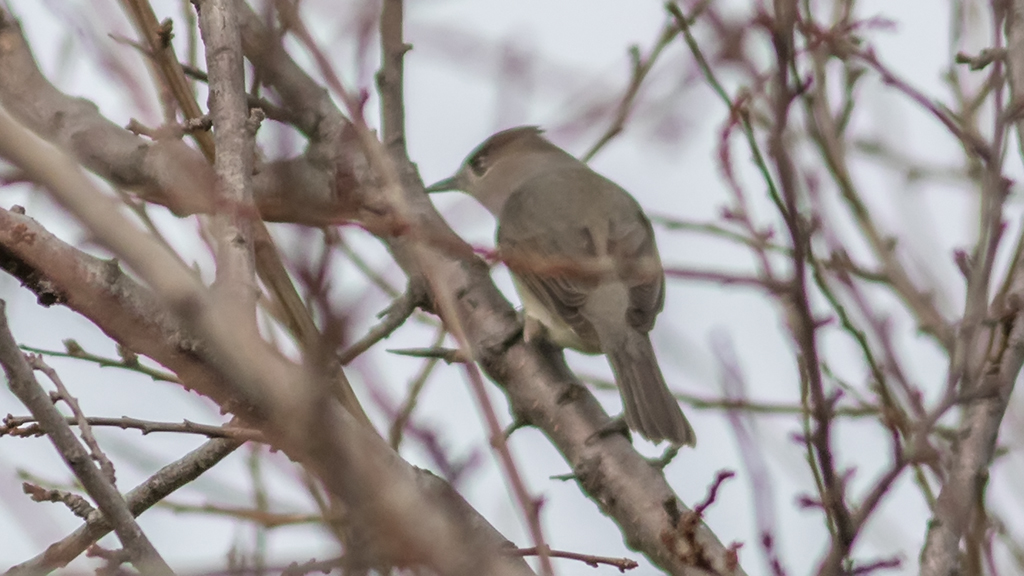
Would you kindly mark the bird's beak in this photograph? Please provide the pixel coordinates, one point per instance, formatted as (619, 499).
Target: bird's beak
(443, 186)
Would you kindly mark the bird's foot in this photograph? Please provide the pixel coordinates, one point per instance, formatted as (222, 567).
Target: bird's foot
(498, 345)
(532, 328)
(611, 428)
(666, 457)
(528, 328)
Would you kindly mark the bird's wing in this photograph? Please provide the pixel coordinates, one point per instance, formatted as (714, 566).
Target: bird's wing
(544, 243)
(554, 239)
(631, 243)
(552, 276)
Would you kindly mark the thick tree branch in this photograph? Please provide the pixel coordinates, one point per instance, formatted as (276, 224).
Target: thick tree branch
(234, 138)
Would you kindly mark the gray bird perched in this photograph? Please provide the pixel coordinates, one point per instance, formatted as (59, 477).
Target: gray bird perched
(582, 255)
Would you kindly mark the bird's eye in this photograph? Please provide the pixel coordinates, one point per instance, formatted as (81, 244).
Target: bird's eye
(478, 164)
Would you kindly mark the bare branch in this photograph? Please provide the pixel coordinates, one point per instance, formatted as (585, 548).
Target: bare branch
(989, 354)
(141, 498)
(74, 350)
(234, 141)
(395, 315)
(623, 564)
(95, 452)
(23, 426)
(23, 384)
(79, 506)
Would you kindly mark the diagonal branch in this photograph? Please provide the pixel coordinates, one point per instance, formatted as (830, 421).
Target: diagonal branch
(340, 449)
(141, 498)
(23, 384)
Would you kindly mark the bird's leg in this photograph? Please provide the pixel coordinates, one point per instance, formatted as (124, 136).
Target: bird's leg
(532, 328)
(529, 328)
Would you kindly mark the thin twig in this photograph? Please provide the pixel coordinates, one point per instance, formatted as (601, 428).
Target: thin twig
(79, 506)
(76, 351)
(717, 230)
(273, 111)
(412, 397)
(742, 404)
(23, 384)
(622, 564)
(824, 133)
(802, 324)
(25, 426)
(394, 316)
(262, 518)
(641, 68)
(141, 498)
(449, 355)
(725, 278)
(363, 266)
(160, 49)
(734, 109)
(97, 454)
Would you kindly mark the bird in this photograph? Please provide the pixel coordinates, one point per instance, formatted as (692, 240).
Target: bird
(583, 259)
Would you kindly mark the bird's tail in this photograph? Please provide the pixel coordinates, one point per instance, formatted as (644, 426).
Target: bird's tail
(649, 406)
